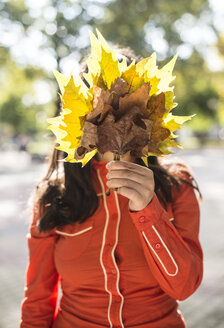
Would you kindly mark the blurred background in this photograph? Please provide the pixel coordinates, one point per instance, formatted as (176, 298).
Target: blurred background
(39, 36)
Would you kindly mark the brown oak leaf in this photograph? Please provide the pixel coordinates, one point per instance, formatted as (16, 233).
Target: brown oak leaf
(137, 98)
(88, 141)
(155, 112)
(118, 89)
(156, 108)
(100, 98)
(157, 135)
(122, 121)
(123, 135)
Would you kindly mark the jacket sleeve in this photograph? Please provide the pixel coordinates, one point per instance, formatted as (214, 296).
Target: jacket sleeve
(38, 307)
(172, 248)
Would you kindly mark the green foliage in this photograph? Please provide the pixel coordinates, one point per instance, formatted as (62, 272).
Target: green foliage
(129, 28)
(16, 86)
(126, 22)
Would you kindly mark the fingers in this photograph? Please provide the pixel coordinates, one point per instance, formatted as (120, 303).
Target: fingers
(130, 175)
(132, 171)
(121, 165)
(134, 198)
(130, 194)
(118, 183)
(132, 181)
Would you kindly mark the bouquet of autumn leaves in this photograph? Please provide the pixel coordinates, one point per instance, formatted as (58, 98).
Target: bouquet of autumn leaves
(126, 108)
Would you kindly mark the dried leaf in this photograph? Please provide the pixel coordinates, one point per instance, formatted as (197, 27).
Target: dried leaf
(157, 136)
(169, 142)
(100, 98)
(169, 100)
(88, 141)
(123, 65)
(150, 67)
(156, 108)
(155, 112)
(123, 135)
(69, 125)
(108, 62)
(118, 130)
(126, 108)
(61, 79)
(133, 78)
(165, 75)
(150, 72)
(137, 98)
(118, 89)
(173, 123)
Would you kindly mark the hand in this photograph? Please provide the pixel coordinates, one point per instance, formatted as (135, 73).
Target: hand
(133, 181)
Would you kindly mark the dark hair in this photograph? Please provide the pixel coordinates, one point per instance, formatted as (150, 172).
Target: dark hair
(65, 194)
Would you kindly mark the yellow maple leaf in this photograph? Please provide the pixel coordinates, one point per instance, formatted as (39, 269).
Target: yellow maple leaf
(68, 126)
(93, 62)
(169, 104)
(122, 65)
(173, 123)
(108, 62)
(165, 76)
(150, 74)
(107, 73)
(132, 77)
(61, 79)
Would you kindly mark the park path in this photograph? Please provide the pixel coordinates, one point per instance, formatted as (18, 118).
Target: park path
(204, 309)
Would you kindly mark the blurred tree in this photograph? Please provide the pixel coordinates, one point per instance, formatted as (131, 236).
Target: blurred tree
(167, 28)
(138, 23)
(195, 93)
(217, 81)
(59, 31)
(19, 107)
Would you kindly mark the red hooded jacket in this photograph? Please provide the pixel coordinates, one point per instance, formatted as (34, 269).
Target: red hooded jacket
(118, 268)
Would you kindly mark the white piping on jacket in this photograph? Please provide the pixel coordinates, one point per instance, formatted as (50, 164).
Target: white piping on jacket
(73, 234)
(101, 251)
(112, 253)
(170, 255)
(118, 273)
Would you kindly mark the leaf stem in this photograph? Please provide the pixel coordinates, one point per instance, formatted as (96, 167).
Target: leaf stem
(116, 158)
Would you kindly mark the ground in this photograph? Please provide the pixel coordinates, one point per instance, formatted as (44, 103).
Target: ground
(204, 309)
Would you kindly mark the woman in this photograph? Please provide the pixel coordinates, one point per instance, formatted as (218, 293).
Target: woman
(122, 260)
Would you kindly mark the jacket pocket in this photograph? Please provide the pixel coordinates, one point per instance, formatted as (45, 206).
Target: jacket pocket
(73, 240)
